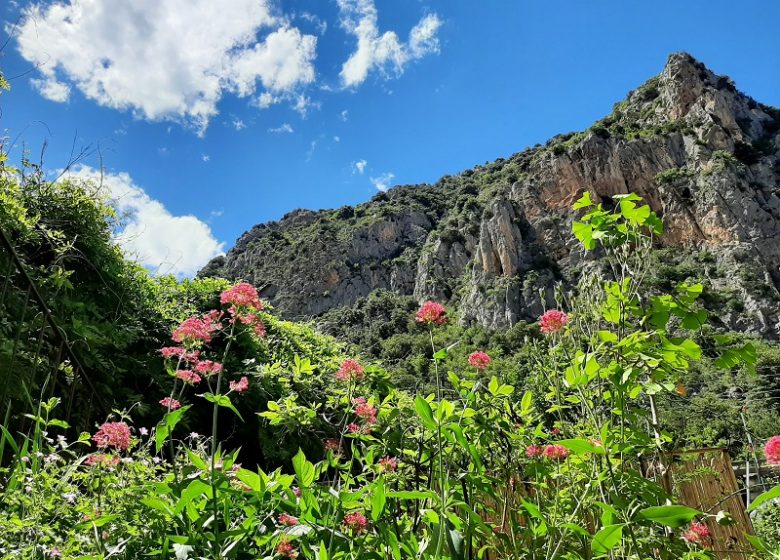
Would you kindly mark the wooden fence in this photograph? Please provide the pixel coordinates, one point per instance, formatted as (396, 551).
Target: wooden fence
(704, 479)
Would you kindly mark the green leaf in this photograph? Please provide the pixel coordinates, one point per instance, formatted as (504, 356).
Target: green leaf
(441, 354)
(580, 446)
(607, 538)
(424, 411)
(166, 426)
(584, 201)
(222, 400)
(304, 470)
(670, 516)
(768, 495)
(378, 499)
(584, 233)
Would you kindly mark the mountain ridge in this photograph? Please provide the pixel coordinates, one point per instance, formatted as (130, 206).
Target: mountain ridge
(494, 240)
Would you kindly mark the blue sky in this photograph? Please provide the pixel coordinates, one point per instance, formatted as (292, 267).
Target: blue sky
(210, 120)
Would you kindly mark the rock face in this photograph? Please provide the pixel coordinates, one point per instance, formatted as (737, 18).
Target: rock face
(494, 241)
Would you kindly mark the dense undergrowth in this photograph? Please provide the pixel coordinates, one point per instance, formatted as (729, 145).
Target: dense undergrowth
(532, 454)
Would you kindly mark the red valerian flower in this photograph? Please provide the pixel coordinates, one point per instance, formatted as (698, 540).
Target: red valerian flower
(253, 320)
(555, 452)
(697, 533)
(196, 330)
(553, 321)
(480, 360)
(189, 377)
(208, 367)
(113, 434)
(534, 451)
(171, 403)
(288, 520)
(431, 313)
(332, 445)
(101, 460)
(285, 549)
(354, 428)
(350, 369)
(242, 295)
(240, 386)
(180, 353)
(388, 464)
(772, 451)
(356, 521)
(364, 411)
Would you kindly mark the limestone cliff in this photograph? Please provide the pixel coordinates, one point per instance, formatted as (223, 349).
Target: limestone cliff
(493, 241)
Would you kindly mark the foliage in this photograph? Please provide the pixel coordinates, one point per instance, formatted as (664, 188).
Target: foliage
(475, 467)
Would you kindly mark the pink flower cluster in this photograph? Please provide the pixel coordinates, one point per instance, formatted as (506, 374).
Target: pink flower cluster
(350, 369)
(196, 330)
(170, 403)
(180, 353)
(188, 377)
(697, 533)
(240, 386)
(253, 320)
(480, 360)
(241, 296)
(113, 434)
(388, 464)
(356, 521)
(431, 313)
(551, 452)
(772, 451)
(364, 411)
(553, 321)
(101, 460)
(244, 305)
(288, 520)
(332, 445)
(208, 367)
(285, 549)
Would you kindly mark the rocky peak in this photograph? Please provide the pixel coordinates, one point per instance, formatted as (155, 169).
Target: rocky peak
(493, 241)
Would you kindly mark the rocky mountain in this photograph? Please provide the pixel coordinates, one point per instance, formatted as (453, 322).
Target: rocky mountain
(493, 241)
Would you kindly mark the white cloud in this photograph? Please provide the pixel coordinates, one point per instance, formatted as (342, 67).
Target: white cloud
(153, 236)
(344, 115)
(385, 53)
(205, 157)
(320, 24)
(169, 60)
(284, 128)
(238, 124)
(337, 138)
(52, 90)
(382, 182)
(359, 166)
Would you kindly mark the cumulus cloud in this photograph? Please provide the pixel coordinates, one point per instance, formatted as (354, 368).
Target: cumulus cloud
(151, 235)
(385, 53)
(382, 182)
(359, 166)
(284, 128)
(169, 60)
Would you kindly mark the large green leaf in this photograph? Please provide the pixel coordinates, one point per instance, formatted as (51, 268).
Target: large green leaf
(607, 538)
(167, 424)
(425, 413)
(223, 401)
(304, 470)
(768, 495)
(670, 516)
